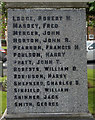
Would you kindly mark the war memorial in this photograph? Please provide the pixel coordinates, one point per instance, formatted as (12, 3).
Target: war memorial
(47, 66)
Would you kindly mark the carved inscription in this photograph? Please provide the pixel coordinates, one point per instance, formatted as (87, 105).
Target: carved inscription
(42, 68)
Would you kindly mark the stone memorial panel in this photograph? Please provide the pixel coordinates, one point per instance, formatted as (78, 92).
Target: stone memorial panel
(47, 61)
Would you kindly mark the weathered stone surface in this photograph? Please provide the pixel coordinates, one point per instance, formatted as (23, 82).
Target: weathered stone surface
(46, 4)
(46, 1)
(56, 5)
(47, 61)
(50, 116)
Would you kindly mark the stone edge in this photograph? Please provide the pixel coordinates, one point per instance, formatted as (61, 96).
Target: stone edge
(58, 5)
(48, 115)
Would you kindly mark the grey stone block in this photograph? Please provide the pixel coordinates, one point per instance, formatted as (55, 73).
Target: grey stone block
(47, 38)
(56, 5)
(50, 116)
(47, 66)
(46, 1)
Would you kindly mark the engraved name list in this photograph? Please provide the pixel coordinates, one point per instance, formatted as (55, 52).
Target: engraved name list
(43, 60)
